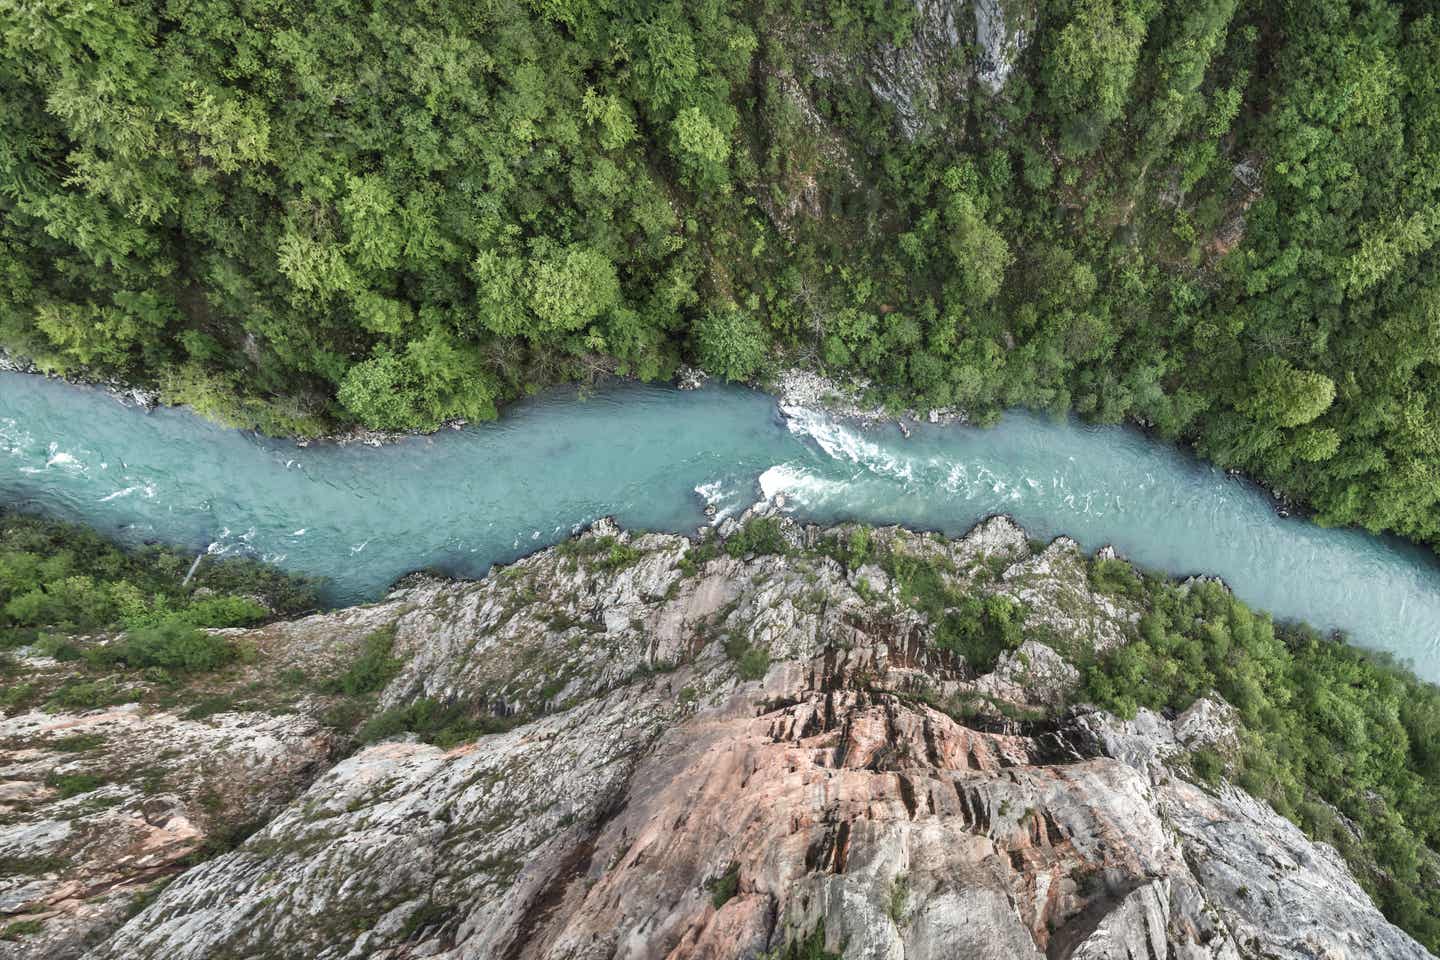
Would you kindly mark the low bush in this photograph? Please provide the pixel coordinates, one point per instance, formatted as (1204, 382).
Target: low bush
(171, 645)
(442, 724)
(373, 668)
(980, 630)
(724, 887)
(88, 695)
(1115, 577)
(760, 535)
(751, 662)
(73, 784)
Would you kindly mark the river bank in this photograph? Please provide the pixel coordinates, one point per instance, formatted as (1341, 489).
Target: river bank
(793, 387)
(468, 499)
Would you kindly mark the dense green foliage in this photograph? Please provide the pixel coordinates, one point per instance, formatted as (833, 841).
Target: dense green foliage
(373, 667)
(58, 579)
(171, 644)
(977, 628)
(1337, 739)
(1218, 217)
(443, 724)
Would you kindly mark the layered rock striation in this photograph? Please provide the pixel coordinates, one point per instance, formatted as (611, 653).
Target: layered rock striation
(699, 752)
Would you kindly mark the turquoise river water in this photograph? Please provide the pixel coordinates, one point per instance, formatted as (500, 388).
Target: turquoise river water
(652, 457)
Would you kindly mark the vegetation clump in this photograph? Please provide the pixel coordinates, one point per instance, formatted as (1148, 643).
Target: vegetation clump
(1338, 739)
(809, 946)
(18, 929)
(978, 628)
(759, 536)
(68, 785)
(58, 579)
(373, 668)
(607, 553)
(170, 645)
(751, 662)
(442, 724)
(724, 887)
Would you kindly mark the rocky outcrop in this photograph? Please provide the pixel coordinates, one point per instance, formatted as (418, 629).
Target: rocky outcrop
(711, 753)
(97, 807)
(935, 63)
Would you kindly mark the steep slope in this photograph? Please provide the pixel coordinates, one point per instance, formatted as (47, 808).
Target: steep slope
(719, 751)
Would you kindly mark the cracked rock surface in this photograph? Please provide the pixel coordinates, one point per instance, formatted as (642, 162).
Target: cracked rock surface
(714, 756)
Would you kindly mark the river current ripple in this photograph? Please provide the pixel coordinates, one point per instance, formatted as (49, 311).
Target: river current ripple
(653, 457)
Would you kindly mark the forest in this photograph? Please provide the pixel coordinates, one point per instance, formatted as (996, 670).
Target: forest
(1341, 741)
(1214, 218)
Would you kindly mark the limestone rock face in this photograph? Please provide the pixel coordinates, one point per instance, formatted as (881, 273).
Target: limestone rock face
(157, 788)
(716, 756)
(931, 66)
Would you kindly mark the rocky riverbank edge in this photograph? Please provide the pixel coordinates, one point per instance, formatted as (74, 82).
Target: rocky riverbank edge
(127, 394)
(793, 387)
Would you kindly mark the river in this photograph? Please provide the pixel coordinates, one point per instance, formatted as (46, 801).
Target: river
(651, 456)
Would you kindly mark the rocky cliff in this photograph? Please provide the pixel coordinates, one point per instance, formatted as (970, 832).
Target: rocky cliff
(645, 746)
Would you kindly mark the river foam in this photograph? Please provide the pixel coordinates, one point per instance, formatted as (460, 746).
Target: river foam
(656, 458)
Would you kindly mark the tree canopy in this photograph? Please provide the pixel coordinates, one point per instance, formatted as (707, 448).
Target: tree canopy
(1216, 218)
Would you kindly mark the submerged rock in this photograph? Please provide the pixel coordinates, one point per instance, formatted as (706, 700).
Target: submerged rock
(699, 755)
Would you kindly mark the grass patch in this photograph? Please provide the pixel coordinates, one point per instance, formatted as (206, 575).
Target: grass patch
(898, 900)
(21, 928)
(373, 669)
(31, 866)
(74, 784)
(724, 887)
(88, 695)
(78, 743)
(811, 946)
(442, 724)
(210, 705)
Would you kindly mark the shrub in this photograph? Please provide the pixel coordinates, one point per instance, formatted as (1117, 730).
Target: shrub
(857, 548)
(619, 556)
(980, 630)
(1115, 576)
(696, 556)
(751, 661)
(373, 668)
(88, 695)
(73, 784)
(754, 663)
(760, 535)
(724, 887)
(171, 644)
(442, 724)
